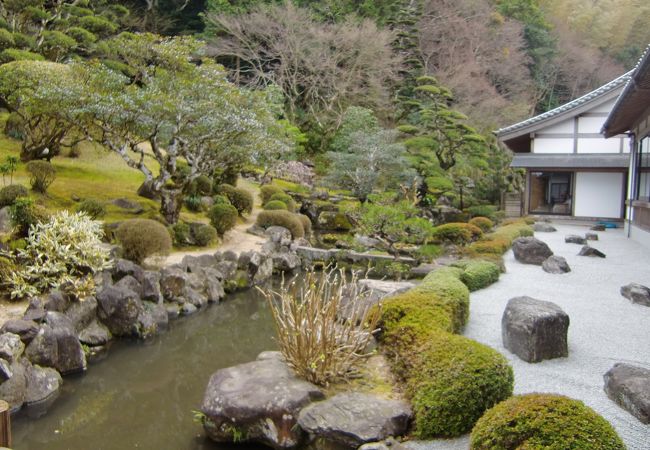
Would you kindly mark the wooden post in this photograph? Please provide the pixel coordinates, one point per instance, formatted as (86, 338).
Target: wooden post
(5, 424)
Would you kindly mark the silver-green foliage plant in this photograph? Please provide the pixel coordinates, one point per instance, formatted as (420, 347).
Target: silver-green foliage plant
(63, 253)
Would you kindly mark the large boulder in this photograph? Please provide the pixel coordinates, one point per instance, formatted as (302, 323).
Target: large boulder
(278, 235)
(629, 387)
(529, 250)
(95, 334)
(286, 261)
(44, 349)
(26, 329)
(590, 251)
(556, 264)
(124, 267)
(70, 355)
(173, 281)
(257, 401)
(82, 312)
(151, 287)
(534, 330)
(129, 282)
(353, 419)
(14, 389)
(119, 309)
(636, 293)
(11, 347)
(42, 385)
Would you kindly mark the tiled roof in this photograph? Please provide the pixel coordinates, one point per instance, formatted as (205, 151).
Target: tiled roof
(623, 79)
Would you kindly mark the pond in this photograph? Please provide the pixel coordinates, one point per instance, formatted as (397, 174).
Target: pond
(143, 394)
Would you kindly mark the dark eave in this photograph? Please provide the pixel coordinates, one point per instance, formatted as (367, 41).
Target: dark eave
(571, 161)
(633, 102)
(511, 135)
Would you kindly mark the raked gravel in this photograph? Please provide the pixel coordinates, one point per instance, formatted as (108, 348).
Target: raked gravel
(605, 327)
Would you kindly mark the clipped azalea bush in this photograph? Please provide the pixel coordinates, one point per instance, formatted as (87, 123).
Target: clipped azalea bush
(286, 199)
(478, 274)
(223, 217)
(500, 240)
(456, 233)
(285, 219)
(9, 194)
(93, 208)
(306, 223)
(267, 191)
(64, 252)
(274, 205)
(241, 199)
(543, 421)
(450, 380)
(483, 223)
(141, 238)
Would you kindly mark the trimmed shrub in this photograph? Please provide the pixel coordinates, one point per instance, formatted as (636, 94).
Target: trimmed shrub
(286, 199)
(202, 185)
(275, 205)
(500, 240)
(541, 421)
(451, 380)
(306, 223)
(193, 203)
(223, 217)
(203, 234)
(42, 175)
(221, 200)
(14, 54)
(482, 211)
(268, 190)
(282, 219)
(241, 199)
(9, 194)
(141, 238)
(478, 274)
(483, 223)
(180, 232)
(456, 233)
(93, 208)
(24, 214)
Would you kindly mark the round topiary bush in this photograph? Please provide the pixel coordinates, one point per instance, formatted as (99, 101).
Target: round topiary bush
(454, 382)
(180, 233)
(483, 223)
(42, 175)
(267, 191)
(9, 194)
(202, 185)
(241, 199)
(284, 219)
(93, 208)
(275, 205)
(543, 421)
(456, 233)
(306, 223)
(286, 199)
(141, 238)
(223, 217)
(221, 200)
(203, 234)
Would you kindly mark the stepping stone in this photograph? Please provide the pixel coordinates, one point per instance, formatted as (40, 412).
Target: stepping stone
(636, 293)
(590, 251)
(544, 227)
(352, 419)
(575, 239)
(535, 330)
(598, 228)
(556, 264)
(629, 387)
(591, 236)
(529, 250)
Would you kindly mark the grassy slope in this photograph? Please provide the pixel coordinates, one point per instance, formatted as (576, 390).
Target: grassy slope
(97, 174)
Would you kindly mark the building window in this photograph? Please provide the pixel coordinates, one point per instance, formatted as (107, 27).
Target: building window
(643, 169)
(551, 193)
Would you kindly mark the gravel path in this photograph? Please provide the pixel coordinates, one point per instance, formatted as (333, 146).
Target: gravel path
(605, 327)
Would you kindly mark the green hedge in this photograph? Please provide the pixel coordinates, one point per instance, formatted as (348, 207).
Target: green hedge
(478, 274)
(451, 380)
(543, 421)
(456, 232)
(274, 205)
(500, 240)
(483, 223)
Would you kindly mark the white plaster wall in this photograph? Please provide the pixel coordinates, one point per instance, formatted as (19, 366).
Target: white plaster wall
(565, 126)
(598, 194)
(590, 124)
(599, 145)
(554, 145)
(605, 107)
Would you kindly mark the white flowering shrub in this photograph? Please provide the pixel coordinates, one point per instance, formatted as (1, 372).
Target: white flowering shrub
(63, 253)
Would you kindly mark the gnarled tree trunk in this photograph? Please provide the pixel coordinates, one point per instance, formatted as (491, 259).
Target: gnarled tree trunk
(171, 201)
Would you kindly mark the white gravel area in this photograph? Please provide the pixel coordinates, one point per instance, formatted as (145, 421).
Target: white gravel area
(605, 327)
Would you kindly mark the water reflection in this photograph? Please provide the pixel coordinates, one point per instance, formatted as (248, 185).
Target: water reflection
(143, 394)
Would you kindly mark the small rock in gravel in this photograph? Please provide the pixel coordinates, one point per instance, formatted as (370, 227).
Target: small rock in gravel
(544, 227)
(591, 236)
(598, 228)
(637, 293)
(556, 264)
(575, 239)
(590, 251)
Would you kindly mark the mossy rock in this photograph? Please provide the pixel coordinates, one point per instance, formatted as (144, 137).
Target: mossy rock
(543, 421)
(335, 221)
(238, 282)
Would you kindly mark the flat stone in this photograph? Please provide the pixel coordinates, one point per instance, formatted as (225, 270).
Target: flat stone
(591, 236)
(423, 270)
(352, 419)
(575, 239)
(26, 329)
(535, 330)
(543, 227)
(529, 250)
(636, 293)
(556, 264)
(629, 387)
(257, 401)
(95, 334)
(590, 251)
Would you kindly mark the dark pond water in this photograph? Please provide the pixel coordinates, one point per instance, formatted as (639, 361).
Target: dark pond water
(143, 394)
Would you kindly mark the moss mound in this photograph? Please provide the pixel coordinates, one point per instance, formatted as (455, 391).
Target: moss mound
(478, 274)
(543, 421)
(280, 218)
